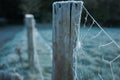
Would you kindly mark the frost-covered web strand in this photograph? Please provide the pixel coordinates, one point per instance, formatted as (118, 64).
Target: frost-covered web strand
(88, 30)
(100, 76)
(101, 28)
(75, 53)
(38, 66)
(113, 77)
(38, 34)
(111, 68)
(106, 44)
(75, 64)
(76, 50)
(97, 34)
(86, 17)
(104, 60)
(115, 58)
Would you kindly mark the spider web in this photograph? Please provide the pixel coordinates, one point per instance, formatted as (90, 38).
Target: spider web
(96, 56)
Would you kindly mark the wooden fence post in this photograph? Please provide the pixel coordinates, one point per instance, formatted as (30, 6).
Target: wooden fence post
(66, 20)
(30, 23)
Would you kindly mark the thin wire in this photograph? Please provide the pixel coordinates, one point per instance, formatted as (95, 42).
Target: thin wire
(112, 71)
(97, 34)
(88, 30)
(86, 17)
(106, 44)
(115, 58)
(100, 76)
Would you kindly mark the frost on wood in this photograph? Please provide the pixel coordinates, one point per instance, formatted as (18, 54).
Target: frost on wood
(32, 55)
(29, 20)
(64, 38)
(30, 24)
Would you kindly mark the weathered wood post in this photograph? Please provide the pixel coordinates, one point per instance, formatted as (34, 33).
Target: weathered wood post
(66, 20)
(30, 23)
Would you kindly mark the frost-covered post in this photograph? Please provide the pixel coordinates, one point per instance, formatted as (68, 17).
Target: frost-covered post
(66, 20)
(30, 23)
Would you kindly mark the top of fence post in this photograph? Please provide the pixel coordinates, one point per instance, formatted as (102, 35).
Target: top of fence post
(29, 20)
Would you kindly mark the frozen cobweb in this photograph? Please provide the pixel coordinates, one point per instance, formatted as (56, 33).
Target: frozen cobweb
(96, 56)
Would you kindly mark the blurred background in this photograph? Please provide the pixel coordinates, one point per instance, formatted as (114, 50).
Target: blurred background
(99, 50)
(106, 12)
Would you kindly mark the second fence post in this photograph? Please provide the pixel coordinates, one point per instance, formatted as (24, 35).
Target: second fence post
(66, 19)
(30, 23)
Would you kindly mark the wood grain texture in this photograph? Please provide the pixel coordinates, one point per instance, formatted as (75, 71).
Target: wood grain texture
(66, 15)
